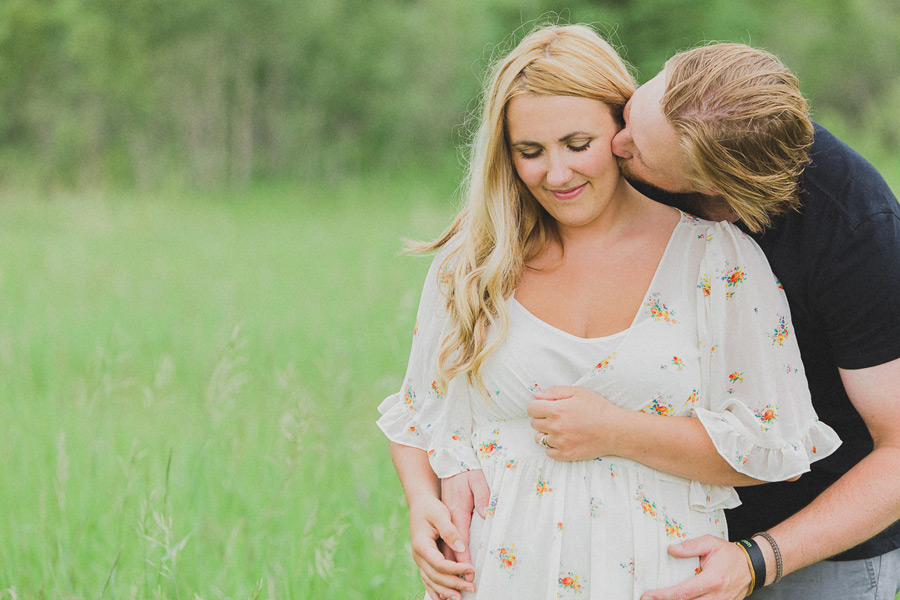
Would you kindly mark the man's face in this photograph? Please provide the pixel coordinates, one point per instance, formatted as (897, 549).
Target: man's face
(648, 146)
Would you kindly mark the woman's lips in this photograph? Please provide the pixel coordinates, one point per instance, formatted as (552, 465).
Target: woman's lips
(569, 193)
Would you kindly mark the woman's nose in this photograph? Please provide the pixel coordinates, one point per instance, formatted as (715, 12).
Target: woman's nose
(558, 173)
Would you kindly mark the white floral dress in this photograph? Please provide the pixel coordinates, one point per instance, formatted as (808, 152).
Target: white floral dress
(712, 339)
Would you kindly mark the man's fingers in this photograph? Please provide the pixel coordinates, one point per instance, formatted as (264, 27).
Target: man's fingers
(691, 589)
(695, 547)
(482, 494)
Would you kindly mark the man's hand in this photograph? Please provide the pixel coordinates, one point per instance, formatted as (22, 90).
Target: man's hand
(579, 423)
(429, 521)
(463, 494)
(725, 574)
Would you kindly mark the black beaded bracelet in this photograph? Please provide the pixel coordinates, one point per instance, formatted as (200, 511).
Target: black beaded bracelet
(757, 561)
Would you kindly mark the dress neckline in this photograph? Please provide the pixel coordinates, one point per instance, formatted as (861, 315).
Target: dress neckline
(684, 218)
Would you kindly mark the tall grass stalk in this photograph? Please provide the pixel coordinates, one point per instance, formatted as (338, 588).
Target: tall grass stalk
(188, 390)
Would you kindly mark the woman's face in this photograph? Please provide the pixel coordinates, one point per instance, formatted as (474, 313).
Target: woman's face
(561, 150)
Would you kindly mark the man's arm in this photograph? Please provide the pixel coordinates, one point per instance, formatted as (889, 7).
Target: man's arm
(863, 502)
(429, 521)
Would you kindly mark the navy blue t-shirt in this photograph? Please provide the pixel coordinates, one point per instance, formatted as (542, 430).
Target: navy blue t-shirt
(838, 258)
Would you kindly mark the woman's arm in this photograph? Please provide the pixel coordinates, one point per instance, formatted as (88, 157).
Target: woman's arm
(582, 425)
(429, 521)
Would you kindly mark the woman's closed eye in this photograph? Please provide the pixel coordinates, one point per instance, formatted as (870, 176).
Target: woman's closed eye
(571, 147)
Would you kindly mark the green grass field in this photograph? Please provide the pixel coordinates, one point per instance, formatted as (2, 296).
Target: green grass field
(189, 389)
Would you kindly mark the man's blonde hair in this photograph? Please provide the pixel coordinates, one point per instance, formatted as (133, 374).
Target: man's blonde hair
(744, 125)
(502, 224)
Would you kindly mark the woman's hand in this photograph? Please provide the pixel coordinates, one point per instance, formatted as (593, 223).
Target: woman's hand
(429, 523)
(579, 424)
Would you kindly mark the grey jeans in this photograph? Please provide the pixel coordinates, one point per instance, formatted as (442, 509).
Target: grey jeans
(869, 579)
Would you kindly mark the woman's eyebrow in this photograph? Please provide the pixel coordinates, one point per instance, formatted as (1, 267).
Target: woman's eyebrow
(574, 134)
(562, 140)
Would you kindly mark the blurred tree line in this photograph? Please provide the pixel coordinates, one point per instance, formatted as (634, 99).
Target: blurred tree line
(213, 93)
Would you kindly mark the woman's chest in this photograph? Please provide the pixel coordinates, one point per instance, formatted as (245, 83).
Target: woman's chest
(653, 366)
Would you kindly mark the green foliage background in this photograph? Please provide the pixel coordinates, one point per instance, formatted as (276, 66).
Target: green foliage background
(209, 93)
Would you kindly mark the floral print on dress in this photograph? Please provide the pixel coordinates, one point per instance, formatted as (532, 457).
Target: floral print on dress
(647, 506)
(437, 390)
(488, 447)
(659, 311)
(596, 506)
(704, 285)
(542, 486)
(570, 582)
(409, 396)
(780, 333)
(767, 415)
(693, 398)
(733, 278)
(659, 406)
(629, 566)
(734, 378)
(506, 555)
(459, 435)
(445, 278)
(492, 506)
(676, 364)
(604, 365)
(673, 528)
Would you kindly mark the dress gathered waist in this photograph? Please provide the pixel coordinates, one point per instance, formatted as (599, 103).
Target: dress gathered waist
(510, 443)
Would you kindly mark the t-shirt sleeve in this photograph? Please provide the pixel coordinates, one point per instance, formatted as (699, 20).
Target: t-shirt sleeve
(423, 414)
(758, 413)
(854, 287)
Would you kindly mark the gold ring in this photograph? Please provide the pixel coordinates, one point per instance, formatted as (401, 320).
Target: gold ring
(544, 443)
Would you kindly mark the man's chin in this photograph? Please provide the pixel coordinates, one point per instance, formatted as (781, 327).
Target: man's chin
(628, 172)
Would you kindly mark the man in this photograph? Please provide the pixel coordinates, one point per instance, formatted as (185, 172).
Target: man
(725, 126)
(721, 124)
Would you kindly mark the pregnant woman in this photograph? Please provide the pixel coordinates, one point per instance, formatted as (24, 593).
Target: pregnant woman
(558, 272)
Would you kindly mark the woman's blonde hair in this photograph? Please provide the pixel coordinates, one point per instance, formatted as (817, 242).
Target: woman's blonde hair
(501, 224)
(744, 125)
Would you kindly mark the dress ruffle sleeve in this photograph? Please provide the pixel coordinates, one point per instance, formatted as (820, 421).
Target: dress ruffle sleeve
(759, 413)
(423, 414)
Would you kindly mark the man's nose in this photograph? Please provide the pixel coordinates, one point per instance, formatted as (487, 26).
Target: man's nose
(621, 143)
